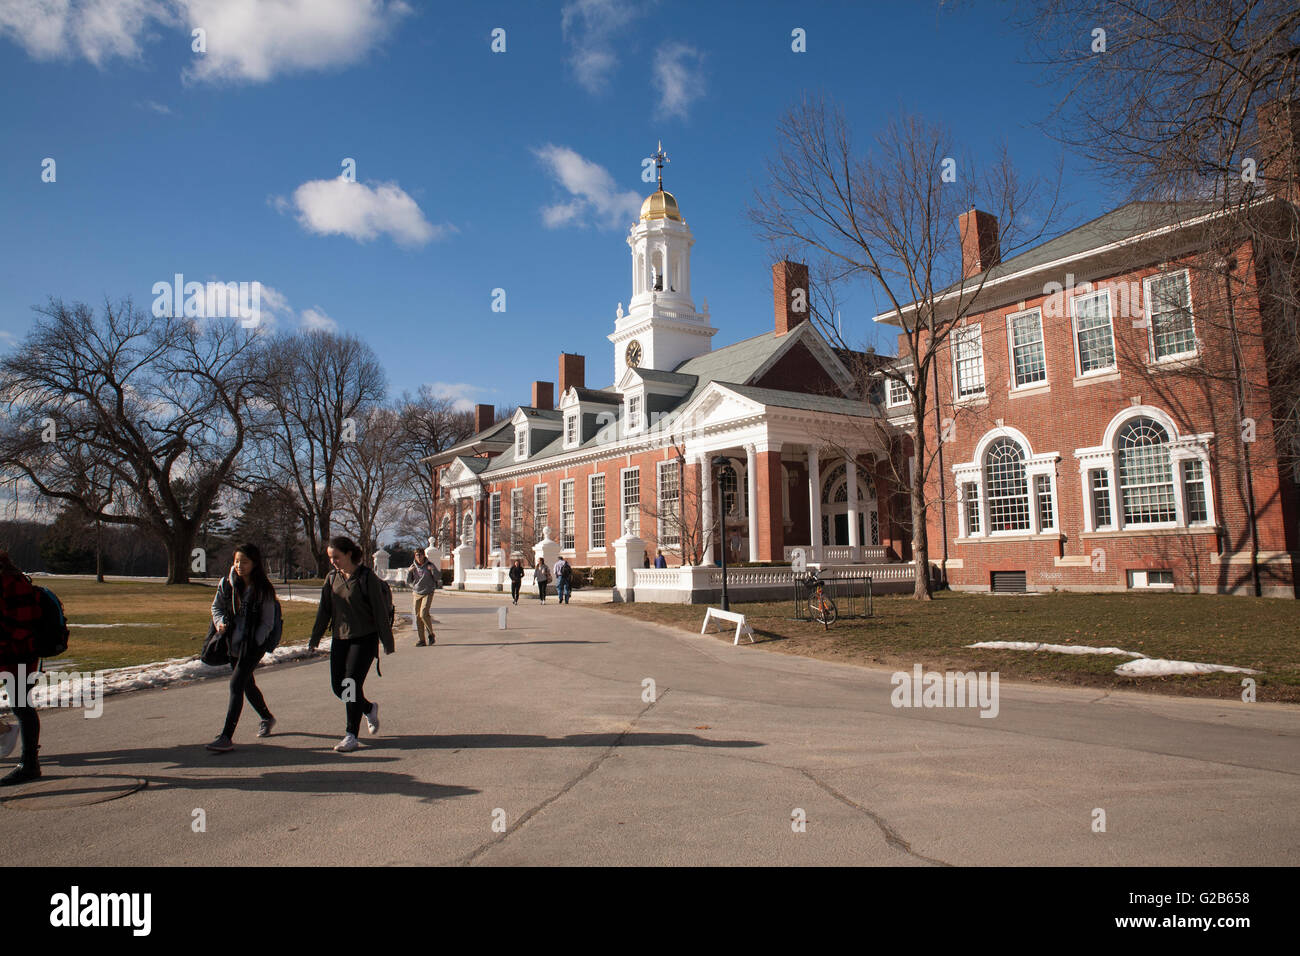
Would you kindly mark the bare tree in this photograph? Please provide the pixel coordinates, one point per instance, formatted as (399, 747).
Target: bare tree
(370, 476)
(890, 215)
(135, 419)
(428, 425)
(314, 389)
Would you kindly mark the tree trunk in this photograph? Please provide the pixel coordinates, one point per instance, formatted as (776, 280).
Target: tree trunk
(99, 552)
(920, 538)
(179, 546)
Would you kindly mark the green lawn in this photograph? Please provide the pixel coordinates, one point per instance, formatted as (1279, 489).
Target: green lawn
(177, 617)
(1263, 634)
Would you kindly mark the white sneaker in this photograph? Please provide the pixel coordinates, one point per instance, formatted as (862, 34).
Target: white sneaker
(372, 718)
(347, 744)
(8, 739)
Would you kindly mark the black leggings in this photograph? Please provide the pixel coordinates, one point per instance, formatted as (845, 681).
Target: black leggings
(514, 590)
(351, 660)
(29, 725)
(243, 685)
(541, 591)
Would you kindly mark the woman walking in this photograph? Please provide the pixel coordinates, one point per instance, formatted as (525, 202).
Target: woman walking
(352, 601)
(244, 610)
(420, 578)
(516, 579)
(19, 611)
(541, 577)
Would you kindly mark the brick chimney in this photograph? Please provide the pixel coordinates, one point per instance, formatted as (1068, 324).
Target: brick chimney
(544, 395)
(573, 370)
(1279, 147)
(979, 241)
(790, 294)
(483, 415)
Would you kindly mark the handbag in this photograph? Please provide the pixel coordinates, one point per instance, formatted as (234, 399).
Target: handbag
(216, 648)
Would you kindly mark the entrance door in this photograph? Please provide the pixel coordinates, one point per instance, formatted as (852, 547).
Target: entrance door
(841, 529)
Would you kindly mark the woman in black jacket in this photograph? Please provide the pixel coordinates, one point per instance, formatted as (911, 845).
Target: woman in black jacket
(516, 579)
(352, 601)
(244, 609)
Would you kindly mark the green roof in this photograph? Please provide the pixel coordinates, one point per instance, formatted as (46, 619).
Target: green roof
(734, 363)
(780, 398)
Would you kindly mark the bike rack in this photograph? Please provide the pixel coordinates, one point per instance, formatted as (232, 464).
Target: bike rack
(852, 597)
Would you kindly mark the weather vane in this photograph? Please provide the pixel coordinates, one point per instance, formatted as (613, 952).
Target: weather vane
(660, 158)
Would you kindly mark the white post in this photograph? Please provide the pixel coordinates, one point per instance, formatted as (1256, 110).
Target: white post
(815, 502)
(851, 473)
(463, 560)
(629, 557)
(751, 480)
(706, 517)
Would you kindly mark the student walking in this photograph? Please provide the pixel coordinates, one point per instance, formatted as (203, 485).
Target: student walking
(244, 610)
(661, 561)
(516, 579)
(20, 609)
(422, 577)
(563, 580)
(352, 603)
(541, 577)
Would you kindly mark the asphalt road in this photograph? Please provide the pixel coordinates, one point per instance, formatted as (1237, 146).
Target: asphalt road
(543, 744)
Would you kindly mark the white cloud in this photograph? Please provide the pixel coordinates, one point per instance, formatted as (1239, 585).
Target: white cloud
(678, 78)
(253, 40)
(315, 318)
(361, 212)
(247, 40)
(458, 393)
(8, 338)
(591, 29)
(593, 195)
(156, 107)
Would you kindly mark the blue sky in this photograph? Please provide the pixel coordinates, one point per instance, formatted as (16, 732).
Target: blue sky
(224, 165)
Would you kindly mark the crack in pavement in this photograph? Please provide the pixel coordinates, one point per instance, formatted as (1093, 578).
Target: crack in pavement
(891, 835)
(591, 768)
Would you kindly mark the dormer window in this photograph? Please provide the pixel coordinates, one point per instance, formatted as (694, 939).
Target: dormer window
(571, 429)
(521, 443)
(634, 413)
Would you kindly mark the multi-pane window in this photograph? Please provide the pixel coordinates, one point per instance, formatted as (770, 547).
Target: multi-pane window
(1194, 485)
(1169, 305)
(521, 443)
(571, 428)
(634, 413)
(970, 493)
(632, 499)
(1146, 480)
(730, 485)
(567, 536)
(968, 361)
(516, 518)
(897, 394)
(670, 500)
(494, 510)
(1101, 498)
(1007, 487)
(1093, 334)
(1028, 362)
(541, 507)
(1043, 492)
(596, 509)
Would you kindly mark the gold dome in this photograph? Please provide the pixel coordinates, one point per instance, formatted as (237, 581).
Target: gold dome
(660, 205)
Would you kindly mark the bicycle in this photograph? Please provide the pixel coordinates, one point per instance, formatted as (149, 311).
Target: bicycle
(820, 604)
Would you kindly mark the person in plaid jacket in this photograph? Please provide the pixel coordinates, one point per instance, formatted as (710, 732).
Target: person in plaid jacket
(19, 611)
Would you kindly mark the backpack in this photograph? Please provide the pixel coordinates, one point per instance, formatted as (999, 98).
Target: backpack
(50, 632)
(277, 630)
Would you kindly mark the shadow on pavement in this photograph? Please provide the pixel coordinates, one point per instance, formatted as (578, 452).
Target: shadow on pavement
(513, 643)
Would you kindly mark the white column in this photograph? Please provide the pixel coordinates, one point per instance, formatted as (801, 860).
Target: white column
(706, 515)
(751, 480)
(815, 501)
(851, 473)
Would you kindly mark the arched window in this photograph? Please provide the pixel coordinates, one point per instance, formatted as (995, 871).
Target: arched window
(1146, 476)
(1006, 486)
(730, 485)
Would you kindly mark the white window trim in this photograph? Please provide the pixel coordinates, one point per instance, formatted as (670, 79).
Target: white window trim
(536, 510)
(972, 472)
(1074, 334)
(575, 418)
(604, 508)
(1044, 382)
(659, 500)
(889, 402)
(964, 332)
(639, 426)
(573, 488)
(1151, 324)
(521, 443)
(622, 500)
(1105, 457)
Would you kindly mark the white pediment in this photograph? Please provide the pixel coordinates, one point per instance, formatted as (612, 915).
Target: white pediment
(457, 473)
(719, 405)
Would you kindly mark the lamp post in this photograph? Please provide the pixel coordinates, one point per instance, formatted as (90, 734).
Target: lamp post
(719, 462)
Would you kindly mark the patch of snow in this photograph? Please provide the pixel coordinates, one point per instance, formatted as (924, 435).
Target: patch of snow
(128, 624)
(1141, 666)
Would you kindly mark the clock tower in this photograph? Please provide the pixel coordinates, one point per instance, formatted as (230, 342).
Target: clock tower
(661, 328)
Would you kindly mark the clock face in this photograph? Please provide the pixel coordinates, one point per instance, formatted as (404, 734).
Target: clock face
(633, 353)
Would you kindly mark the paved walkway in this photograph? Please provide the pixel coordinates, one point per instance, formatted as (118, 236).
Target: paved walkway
(548, 730)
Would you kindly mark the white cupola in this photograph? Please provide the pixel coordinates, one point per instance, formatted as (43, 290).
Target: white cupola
(661, 328)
